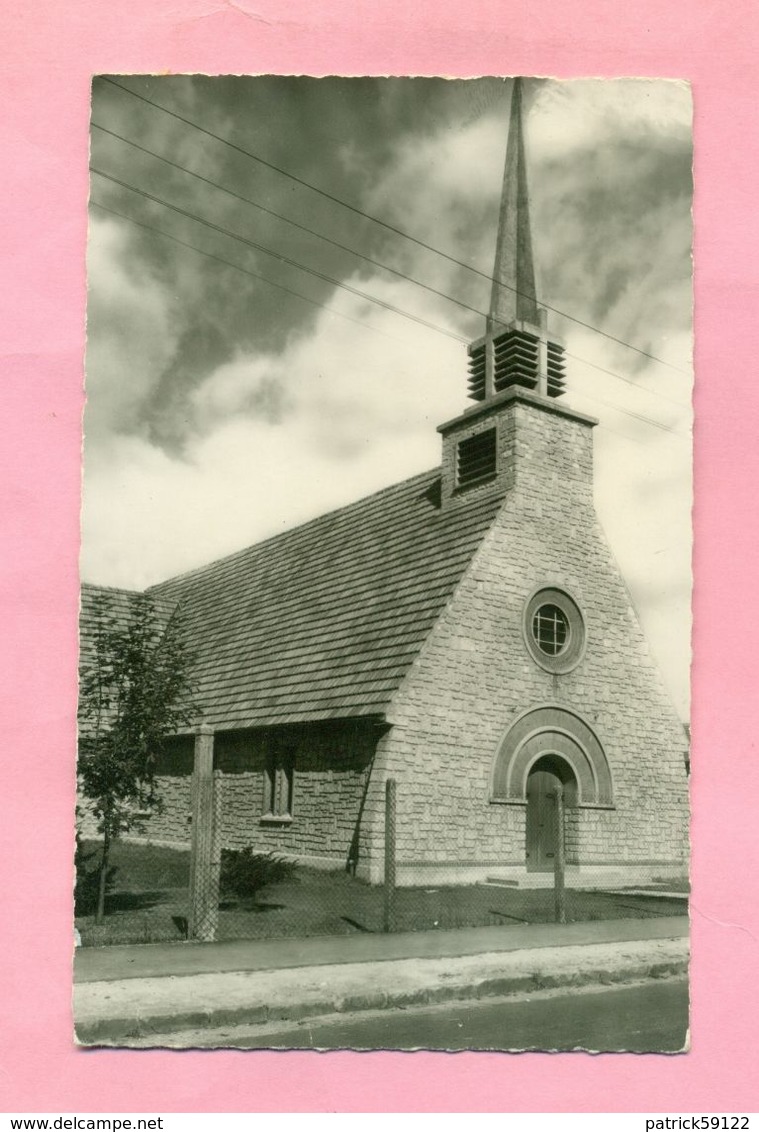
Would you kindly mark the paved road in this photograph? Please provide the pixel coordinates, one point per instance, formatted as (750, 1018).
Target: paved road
(646, 1017)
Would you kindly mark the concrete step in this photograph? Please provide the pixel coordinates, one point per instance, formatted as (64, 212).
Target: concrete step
(573, 879)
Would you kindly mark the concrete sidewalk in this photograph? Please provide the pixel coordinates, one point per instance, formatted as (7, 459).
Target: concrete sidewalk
(130, 993)
(149, 960)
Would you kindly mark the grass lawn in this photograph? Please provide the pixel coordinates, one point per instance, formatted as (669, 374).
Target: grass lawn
(149, 902)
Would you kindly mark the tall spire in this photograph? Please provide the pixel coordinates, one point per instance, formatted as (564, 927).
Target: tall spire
(516, 349)
(513, 293)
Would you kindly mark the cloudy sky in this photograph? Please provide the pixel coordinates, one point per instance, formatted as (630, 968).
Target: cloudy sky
(222, 408)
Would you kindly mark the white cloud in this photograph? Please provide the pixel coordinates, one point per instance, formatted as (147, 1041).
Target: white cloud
(583, 113)
(357, 419)
(136, 337)
(358, 409)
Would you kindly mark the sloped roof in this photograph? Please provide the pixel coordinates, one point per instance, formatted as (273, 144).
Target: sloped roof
(323, 621)
(116, 602)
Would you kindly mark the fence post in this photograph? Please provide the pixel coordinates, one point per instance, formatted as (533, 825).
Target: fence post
(560, 902)
(389, 911)
(214, 874)
(204, 894)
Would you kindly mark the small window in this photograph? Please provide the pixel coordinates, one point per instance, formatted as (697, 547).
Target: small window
(278, 784)
(476, 458)
(550, 629)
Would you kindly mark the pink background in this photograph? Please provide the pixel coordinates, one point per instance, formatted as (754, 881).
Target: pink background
(50, 49)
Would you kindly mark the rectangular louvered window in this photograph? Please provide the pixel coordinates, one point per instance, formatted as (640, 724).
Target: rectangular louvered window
(476, 458)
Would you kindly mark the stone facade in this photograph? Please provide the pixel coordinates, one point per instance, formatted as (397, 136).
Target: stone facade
(332, 762)
(474, 676)
(473, 680)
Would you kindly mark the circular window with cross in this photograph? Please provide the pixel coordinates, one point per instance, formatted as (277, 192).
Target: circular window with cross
(554, 630)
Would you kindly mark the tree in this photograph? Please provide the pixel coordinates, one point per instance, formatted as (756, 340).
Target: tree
(135, 692)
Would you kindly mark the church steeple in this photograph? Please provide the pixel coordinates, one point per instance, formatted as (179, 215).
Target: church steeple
(515, 349)
(513, 293)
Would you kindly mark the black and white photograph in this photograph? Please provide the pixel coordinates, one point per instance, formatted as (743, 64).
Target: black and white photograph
(386, 565)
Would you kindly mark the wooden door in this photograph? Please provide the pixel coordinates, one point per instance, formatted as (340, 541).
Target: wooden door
(541, 820)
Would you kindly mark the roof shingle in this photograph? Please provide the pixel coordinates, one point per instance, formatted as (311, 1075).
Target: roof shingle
(324, 620)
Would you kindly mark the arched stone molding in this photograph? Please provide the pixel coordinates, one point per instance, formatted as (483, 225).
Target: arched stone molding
(551, 730)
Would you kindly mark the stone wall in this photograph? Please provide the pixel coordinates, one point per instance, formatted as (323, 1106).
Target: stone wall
(173, 824)
(475, 676)
(169, 825)
(332, 763)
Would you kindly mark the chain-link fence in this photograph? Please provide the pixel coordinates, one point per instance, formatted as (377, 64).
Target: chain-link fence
(212, 893)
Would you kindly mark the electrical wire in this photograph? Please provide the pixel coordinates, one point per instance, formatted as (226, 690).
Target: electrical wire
(280, 257)
(356, 291)
(237, 267)
(381, 223)
(293, 223)
(294, 263)
(635, 416)
(627, 380)
(353, 251)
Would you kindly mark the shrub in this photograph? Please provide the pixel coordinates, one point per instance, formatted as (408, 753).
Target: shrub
(244, 872)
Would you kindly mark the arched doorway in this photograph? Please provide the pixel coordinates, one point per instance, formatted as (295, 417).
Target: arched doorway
(545, 775)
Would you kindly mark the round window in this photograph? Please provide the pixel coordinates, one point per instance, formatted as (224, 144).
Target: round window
(554, 630)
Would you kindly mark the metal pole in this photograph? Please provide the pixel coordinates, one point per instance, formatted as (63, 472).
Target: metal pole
(558, 860)
(390, 804)
(214, 872)
(201, 898)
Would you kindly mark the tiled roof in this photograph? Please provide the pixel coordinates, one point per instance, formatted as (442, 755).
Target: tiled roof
(116, 603)
(324, 620)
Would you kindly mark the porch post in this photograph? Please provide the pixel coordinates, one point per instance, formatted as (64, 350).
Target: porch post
(204, 887)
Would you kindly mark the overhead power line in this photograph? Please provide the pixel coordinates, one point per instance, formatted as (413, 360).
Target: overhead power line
(237, 267)
(364, 295)
(355, 252)
(635, 416)
(279, 256)
(382, 223)
(627, 380)
(294, 223)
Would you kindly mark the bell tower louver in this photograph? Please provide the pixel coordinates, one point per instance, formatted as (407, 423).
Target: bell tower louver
(515, 350)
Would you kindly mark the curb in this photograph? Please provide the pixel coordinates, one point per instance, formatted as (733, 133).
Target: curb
(109, 1031)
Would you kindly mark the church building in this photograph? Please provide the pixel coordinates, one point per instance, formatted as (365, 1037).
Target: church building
(466, 632)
